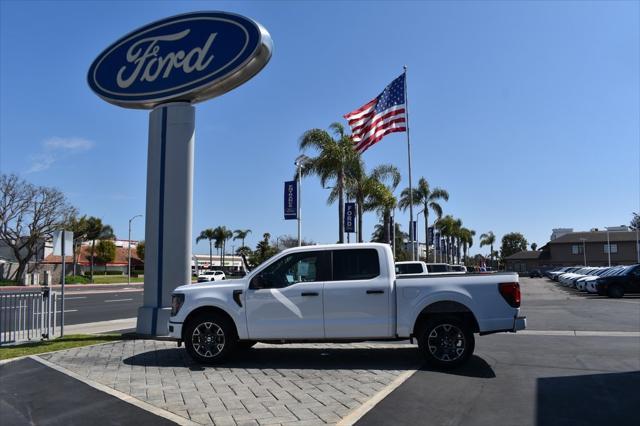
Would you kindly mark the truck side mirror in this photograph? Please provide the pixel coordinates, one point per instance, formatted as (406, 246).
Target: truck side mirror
(261, 281)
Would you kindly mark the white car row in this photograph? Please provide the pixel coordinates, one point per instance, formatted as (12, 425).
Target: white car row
(583, 278)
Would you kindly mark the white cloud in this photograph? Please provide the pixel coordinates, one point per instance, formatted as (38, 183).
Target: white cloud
(56, 148)
(68, 144)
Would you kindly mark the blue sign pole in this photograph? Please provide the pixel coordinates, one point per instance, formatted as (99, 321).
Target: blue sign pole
(349, 217)
(290, 200)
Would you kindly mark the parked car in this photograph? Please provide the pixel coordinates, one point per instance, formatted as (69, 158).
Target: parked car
(457, 269)
(536, 273)
(616, 286)
(437, 268)
(214, 275)
(591, 285)
(344, 292)
(411, 268)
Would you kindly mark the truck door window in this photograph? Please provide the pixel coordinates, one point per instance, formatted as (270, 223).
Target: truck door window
(358, 264)
(289, 270)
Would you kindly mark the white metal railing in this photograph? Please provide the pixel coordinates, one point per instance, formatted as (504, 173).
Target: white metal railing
(27, 315)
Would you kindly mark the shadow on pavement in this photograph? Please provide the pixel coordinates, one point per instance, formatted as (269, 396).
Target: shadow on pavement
(294, 358)
(475, 367)
(594, 399)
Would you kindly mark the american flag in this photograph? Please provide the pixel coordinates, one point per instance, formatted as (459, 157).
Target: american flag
(383, 115)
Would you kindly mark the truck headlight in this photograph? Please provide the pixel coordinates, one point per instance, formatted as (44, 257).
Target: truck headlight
(177, 299)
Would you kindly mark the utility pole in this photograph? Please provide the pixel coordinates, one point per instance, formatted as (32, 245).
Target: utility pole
(129, 256)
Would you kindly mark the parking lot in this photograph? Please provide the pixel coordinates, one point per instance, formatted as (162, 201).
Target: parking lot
(578, 362)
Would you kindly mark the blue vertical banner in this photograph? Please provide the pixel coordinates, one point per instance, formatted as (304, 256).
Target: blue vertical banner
(430, 235)
(349, 217)
(290, 200)
(413, 233)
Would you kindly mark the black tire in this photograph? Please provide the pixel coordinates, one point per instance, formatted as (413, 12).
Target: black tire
(615, 291)
(446, 342)
(210, 338)
(245, 345)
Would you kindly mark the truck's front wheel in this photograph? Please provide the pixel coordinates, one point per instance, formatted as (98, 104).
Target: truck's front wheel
(446, 341)
(209, 338)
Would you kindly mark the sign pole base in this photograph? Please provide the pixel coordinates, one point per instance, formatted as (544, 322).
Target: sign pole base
(168, 218)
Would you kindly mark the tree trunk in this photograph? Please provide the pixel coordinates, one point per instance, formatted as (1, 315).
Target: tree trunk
(210, 254)
(359, 207)
(341, 207)
(386, 223)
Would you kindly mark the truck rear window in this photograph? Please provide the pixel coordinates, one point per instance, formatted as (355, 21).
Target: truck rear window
(358, 264)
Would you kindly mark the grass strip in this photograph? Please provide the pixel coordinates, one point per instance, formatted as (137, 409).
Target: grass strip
(66, 342)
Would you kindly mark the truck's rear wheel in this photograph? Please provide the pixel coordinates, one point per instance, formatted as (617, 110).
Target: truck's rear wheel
(209, 338)
(446, 341)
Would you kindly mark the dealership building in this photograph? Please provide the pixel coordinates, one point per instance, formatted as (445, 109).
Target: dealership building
(609, 246)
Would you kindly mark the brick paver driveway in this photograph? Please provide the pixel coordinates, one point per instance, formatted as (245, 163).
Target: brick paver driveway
(269, 384)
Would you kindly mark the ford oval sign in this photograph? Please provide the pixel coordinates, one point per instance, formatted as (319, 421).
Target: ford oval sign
(190, 57)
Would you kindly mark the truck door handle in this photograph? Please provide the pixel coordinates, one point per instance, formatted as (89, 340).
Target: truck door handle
(309, 293)
(375, 291)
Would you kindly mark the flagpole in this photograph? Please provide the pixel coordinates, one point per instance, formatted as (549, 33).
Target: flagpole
(411, 236)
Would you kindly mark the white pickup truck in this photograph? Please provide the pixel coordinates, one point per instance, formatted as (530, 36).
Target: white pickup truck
(344, 293)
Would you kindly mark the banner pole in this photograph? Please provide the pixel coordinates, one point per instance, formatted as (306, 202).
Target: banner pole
(411, 236)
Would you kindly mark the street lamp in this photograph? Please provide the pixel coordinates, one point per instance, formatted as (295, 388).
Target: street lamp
(584, 250)
(129, 257)
(415, 237)
(608, 248)
(300, 160)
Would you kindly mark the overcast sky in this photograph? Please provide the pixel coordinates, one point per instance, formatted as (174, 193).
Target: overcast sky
(528, 113)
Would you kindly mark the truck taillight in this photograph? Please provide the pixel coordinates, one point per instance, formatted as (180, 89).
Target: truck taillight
(511, 293)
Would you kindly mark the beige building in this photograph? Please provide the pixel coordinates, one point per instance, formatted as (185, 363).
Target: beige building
(593, 248)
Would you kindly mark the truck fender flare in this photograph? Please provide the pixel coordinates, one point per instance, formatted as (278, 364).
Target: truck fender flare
(445, 303)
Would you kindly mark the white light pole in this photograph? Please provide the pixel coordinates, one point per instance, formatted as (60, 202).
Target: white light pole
(415, 237)
(584, 250)
(129, 257)
(300, 160)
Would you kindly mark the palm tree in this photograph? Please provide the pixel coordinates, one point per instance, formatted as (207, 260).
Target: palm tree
(382, 201)
(487, 240)
(241, 234)
(447, 227)
(95, 230)
(424, 196)
(466, 237)
(335, 156)
(227, 234)
(210, 235)
(360, 185)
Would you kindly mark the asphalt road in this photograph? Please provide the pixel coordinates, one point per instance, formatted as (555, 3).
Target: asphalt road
(84, 307)
(534, 379)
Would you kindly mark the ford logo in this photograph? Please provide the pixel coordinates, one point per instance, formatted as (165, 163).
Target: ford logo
(190, 57)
